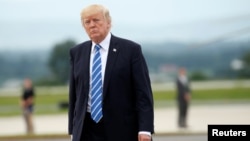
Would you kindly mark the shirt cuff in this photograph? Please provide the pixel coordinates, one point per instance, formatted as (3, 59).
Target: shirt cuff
(145, 133)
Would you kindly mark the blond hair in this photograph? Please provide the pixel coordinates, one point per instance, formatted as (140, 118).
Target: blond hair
(96, 8)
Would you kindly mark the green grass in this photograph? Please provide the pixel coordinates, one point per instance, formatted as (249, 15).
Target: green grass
(220, 94)
(47, 99)
(210, 94)
(44, 104)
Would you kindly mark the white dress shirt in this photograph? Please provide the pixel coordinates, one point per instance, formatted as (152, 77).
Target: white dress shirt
(183, 79)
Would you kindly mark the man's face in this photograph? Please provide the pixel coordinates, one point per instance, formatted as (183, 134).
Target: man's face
(27, 83)
(96, 26)
(183, 72)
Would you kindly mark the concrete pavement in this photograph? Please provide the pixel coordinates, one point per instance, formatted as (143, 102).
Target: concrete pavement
(165, 120)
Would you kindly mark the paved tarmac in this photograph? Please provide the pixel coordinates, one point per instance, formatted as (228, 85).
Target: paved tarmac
(192, 137)
(165, 120)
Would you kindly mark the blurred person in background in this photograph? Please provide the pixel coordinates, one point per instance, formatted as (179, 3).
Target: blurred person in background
(27, 104)
(183, 96)
(125, 102)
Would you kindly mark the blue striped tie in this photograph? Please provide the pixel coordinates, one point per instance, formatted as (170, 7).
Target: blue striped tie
(96, 86)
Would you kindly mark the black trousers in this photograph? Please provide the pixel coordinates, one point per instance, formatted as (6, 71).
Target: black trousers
(92, 131)
(183, 110)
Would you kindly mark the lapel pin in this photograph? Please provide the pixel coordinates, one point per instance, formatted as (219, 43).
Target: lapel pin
(114, 49)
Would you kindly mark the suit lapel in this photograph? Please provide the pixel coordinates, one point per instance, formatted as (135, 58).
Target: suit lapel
(85, 60)
(111, 59)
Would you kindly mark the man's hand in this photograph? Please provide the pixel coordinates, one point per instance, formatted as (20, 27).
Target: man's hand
(142, 137)
(187, 97)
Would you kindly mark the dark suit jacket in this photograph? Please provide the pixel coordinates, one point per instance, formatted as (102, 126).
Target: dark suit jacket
(127, 95)
(182, 90)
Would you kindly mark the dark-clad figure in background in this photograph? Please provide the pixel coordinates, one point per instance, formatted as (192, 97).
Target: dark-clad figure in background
(119, 77)
(27, 104)
(183, 97)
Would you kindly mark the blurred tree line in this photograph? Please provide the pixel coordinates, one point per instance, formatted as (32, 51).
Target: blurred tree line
(52, 67)
(245, 72)
(213, 61)
(58, 64)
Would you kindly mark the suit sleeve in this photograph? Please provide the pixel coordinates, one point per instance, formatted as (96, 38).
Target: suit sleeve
(144, 96)
(72, 95)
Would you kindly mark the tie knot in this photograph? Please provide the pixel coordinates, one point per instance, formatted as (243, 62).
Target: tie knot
(97, 47)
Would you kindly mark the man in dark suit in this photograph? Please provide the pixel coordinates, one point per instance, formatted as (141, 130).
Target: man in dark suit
(183, 97)
(125, 111)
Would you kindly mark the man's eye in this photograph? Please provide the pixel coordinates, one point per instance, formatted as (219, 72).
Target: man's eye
(87, 22)
(96, 20)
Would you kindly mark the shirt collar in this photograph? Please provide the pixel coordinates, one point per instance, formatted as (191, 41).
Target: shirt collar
(104, 44)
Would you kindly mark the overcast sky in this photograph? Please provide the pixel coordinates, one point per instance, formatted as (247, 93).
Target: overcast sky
(26, 24)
